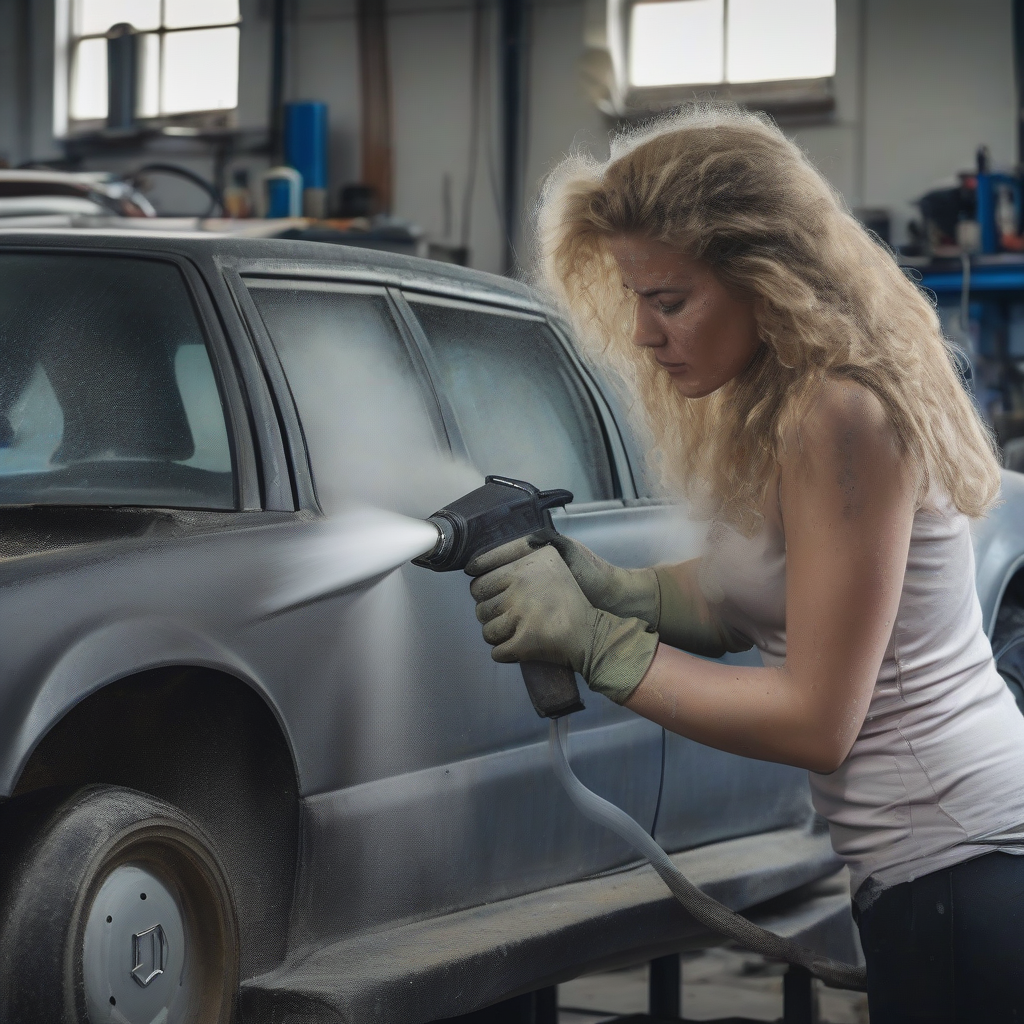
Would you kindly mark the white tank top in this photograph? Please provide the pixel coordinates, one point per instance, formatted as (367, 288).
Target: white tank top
(936, 774)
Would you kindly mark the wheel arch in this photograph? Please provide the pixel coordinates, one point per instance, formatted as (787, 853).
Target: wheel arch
(209, 741)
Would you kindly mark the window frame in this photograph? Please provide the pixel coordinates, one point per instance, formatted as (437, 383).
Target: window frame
(297, 447)
(623, 487)
(788, 100)
(236, 271)
(65, 43)
(240, 443)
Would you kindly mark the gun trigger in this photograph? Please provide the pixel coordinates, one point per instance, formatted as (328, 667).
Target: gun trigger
(557, 498)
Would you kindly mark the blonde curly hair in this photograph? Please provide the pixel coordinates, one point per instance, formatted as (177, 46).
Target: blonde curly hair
(726, 187)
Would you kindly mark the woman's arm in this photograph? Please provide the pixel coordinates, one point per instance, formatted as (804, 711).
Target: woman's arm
(848, 502)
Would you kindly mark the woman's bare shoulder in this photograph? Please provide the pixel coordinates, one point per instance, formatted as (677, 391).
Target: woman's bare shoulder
(842, 449)
(839, 416)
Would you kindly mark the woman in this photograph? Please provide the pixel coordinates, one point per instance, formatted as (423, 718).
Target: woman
(797, 386)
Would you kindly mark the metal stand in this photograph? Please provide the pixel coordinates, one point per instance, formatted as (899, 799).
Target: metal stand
(799, 1003)
(664, 988)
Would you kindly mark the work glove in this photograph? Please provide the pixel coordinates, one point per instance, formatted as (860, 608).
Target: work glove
(532, 609)
(629, 593)
(653, 595)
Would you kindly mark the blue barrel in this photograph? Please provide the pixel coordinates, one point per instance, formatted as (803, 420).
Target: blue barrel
(305, 141)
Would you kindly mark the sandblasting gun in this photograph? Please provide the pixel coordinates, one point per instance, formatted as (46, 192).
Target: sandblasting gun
(500, 511)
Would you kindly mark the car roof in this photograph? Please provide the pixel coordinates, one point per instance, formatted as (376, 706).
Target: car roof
(283, 256)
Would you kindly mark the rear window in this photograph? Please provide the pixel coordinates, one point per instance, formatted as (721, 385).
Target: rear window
(521, 406)
(107, 391)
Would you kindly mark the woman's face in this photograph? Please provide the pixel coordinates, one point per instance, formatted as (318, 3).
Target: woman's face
(702, 332)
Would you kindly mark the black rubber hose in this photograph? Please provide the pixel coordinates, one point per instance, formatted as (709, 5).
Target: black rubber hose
(216, 202)
(701, 907)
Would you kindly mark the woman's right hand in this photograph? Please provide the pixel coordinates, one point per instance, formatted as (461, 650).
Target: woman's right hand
(668, 598)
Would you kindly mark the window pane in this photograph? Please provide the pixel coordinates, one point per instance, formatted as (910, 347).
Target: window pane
(107, 394)
(521, 407)
(147, 102)
(363, 407)
(200, 70)
(679, 42)
(189, 13)
(198, 386)
(89, 79)
(95, 16)
(774, 40)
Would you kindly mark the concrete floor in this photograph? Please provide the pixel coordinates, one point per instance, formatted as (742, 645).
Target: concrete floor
(716, 983)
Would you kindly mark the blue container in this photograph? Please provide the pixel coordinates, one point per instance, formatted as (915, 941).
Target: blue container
(305, 141)
(280, 202)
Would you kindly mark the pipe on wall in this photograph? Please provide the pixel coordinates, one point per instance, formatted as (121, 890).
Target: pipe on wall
(513, 48)
(375, 84)
(278, 55)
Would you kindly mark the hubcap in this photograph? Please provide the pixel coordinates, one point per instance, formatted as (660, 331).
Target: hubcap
(133, 954)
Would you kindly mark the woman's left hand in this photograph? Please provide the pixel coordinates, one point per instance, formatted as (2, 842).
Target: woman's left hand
(532, 609)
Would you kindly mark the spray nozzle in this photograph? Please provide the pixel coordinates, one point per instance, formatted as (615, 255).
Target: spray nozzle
(502, 510)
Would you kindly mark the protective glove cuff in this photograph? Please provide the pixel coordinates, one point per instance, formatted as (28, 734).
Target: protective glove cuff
(641, 598)
(675, 613)
(620, 655)
(685, 624)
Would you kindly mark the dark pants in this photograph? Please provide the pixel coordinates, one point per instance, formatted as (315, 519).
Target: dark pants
(948, 948)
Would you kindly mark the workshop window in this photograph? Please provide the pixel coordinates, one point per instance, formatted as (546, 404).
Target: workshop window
(775, 54)
(186, 58)
(107, 392)
(708, 42)
(521, 406)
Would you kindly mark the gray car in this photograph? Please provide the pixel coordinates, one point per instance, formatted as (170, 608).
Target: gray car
(256, 765)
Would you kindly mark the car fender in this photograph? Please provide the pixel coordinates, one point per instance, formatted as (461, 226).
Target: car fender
(110, 652)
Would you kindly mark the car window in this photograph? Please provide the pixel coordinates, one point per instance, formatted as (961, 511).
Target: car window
(522, 409)
(365, 410)
(107, 393)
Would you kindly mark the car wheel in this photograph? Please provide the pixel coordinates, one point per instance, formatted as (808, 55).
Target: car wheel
(116, 909)
(1008, 650)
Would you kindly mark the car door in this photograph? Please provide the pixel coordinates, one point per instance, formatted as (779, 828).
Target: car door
(519, 404)
(434, 791)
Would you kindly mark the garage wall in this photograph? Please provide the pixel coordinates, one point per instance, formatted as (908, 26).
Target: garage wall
(939, 84)
(920, 84)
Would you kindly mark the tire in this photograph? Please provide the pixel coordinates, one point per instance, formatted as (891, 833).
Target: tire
(115, 909)
(1008, 650)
